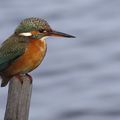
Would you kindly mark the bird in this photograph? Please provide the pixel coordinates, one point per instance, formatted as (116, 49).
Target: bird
(26, 48)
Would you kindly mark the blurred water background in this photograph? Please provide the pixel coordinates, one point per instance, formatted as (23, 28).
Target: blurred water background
(79, 79)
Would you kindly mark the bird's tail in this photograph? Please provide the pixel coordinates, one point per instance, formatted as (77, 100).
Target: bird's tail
(5, 80)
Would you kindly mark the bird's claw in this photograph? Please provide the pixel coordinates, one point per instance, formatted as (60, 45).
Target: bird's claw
(20, 77)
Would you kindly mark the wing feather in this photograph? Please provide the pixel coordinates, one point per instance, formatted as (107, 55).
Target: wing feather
(11, 49)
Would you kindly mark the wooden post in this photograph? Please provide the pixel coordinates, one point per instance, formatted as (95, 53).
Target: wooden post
(18, 101)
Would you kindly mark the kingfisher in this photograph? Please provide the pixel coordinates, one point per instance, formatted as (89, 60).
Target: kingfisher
(25, 49)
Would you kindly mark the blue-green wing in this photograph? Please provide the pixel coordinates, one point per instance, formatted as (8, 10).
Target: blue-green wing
(10, 50)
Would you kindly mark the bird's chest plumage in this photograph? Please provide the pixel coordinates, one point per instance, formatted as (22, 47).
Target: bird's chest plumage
(33, 56)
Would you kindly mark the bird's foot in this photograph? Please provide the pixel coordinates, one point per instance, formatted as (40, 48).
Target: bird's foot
(20, 77)
(30, 78)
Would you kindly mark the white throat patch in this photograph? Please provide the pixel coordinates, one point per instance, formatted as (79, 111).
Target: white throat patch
(43, 38)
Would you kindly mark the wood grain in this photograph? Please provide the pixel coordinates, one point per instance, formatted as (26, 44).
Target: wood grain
(18, 101)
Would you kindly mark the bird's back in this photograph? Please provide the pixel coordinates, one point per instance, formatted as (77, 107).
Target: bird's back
(11, 49)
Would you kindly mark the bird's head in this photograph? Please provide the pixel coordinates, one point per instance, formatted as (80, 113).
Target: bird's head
(38, 28)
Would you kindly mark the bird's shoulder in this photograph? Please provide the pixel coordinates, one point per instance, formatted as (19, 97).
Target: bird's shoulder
(12, 48)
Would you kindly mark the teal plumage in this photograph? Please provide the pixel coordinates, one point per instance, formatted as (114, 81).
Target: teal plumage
(33, 24)
(25, 49)
(11, 49)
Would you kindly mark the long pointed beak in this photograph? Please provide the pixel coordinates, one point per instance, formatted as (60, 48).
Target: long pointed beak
(60, 34)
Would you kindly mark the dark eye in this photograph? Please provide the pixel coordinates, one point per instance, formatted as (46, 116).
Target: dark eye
(42, 31)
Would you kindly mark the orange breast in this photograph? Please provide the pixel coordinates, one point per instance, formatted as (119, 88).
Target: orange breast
(32, 57)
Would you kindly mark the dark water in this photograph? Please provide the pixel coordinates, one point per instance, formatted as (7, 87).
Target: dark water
(79, 78)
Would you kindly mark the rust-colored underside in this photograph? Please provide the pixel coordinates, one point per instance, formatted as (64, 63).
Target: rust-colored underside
(32, 57)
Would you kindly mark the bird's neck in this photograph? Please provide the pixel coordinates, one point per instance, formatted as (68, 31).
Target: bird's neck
(39, 42)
